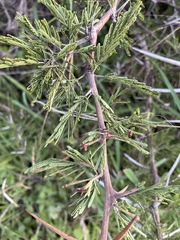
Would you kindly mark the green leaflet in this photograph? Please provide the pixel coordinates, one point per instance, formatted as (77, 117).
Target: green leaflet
(86, 200)
(66, 17)
(76, 155)
(15, 62)
(131, 175)
(91, 136)
(55, 9)
(105, 105)
(27, 26)
(90, 13)
(85, 49)
(91, 199)
(116, 95)
(159, 190)
(48, 33)
(62, 123)
(140, 86)
(51, 95)
(117, 35)
(11, 40)
(168, 84)
(48, 164)
(67, 49)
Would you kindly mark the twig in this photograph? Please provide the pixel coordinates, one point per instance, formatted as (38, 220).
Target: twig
(125, 194)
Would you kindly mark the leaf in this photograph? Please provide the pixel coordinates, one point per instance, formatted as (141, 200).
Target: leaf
(91, 198)
(76, 155)
(68, 48)
(48, 164)
(168, 84)
(140, 86)
(11, 40)
(105, 104)
(62, 123)
(131, 176)
(56, 9)
(117, 35)
(27, 26)
(85, 49)
(9, 62)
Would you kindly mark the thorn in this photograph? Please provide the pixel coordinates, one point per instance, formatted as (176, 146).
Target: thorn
(127, 228)
(123, 190)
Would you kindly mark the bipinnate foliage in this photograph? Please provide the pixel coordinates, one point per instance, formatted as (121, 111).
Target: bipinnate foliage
(56, 49)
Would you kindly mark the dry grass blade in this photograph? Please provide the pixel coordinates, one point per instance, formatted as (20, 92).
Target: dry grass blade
(57, 231)
(158, 57)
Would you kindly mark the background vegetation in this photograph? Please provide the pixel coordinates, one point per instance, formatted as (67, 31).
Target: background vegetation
(25, 126)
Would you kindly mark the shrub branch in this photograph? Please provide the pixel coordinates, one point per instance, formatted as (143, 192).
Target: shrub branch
(109, 191)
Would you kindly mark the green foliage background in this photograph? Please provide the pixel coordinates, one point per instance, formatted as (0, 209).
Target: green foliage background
(25, 127)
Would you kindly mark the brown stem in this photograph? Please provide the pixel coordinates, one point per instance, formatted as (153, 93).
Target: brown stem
(109, 191)
(109, 195)
(91, 79)
(100, 24)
